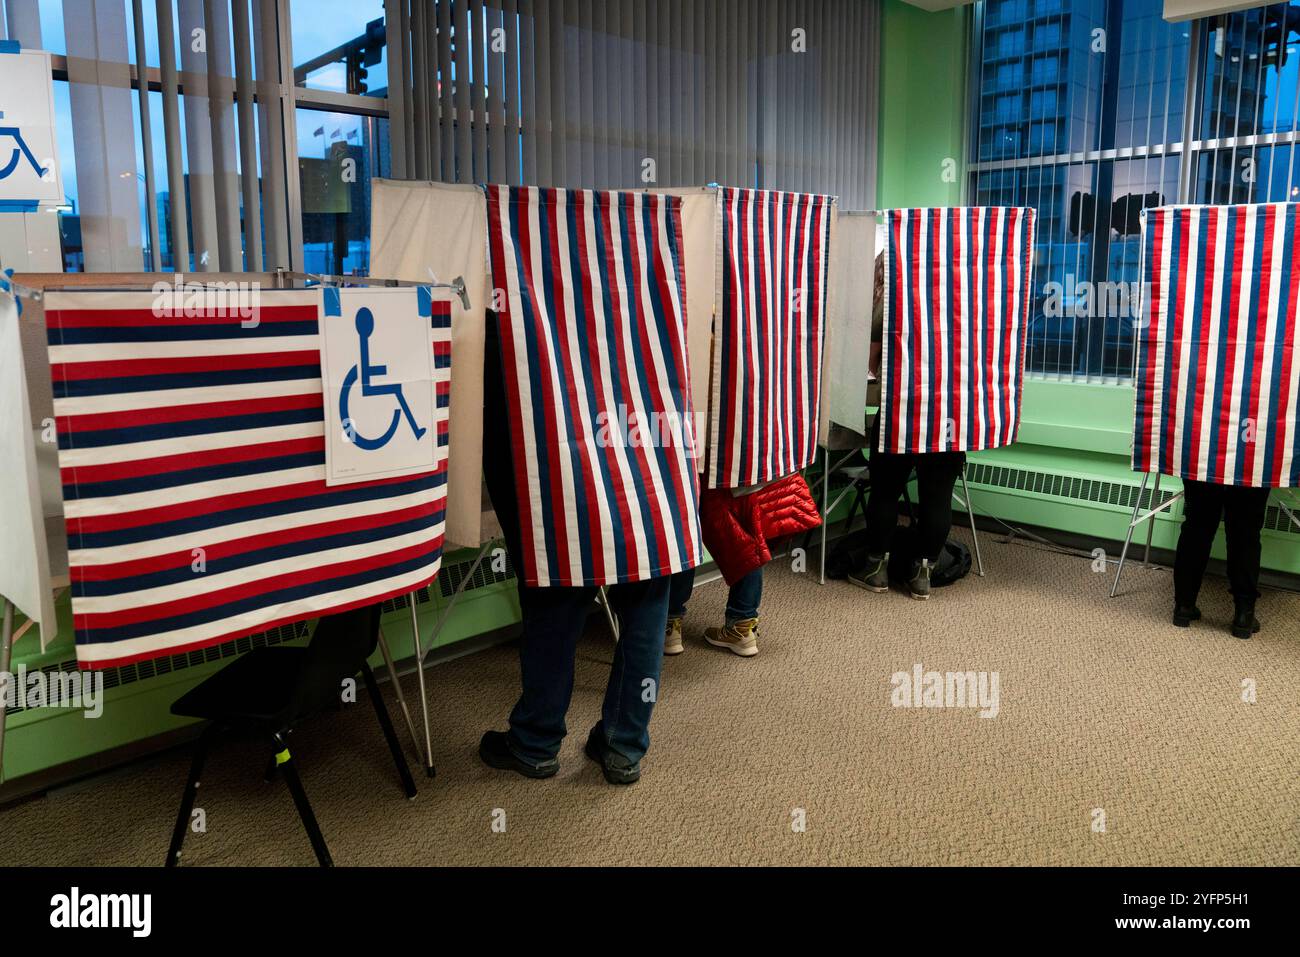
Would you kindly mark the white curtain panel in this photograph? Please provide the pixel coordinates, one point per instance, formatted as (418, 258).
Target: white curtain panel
(700, 254)
(848, 329)
(424, 230)
(24, 556)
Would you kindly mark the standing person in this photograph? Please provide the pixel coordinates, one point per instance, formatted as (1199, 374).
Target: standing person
(737, 524)
(553, 619)
(1241, 510)
(739, 631)
(936, 475)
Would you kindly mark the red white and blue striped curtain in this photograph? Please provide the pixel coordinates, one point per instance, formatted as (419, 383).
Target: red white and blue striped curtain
(192, 456)
(769, 330)
(1218, 364)
(594, 351)
(957, 301)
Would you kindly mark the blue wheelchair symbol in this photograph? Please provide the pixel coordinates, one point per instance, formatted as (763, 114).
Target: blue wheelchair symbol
(20, 151)
(365, 324)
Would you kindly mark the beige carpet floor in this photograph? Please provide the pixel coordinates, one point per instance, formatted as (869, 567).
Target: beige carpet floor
(1103, 705)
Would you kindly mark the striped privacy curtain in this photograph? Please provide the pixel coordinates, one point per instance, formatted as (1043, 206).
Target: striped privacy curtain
(192, 455)
(589, 292)
(770, 325)
(1218, 367)
(957, 300)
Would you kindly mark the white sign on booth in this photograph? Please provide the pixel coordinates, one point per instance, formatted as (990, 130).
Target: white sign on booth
(29, 166)
(378, 376)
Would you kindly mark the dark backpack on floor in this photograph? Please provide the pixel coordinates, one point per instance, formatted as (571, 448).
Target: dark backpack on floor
(850, 552)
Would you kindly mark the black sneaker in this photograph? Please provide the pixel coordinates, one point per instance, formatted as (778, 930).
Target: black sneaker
(1244, 623)
(918, 586)
(494, 749)
(614, 765)
(873, 576)
(1184, 615)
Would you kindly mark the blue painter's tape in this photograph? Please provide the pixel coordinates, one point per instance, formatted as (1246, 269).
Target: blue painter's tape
(333, 304)
(18, 205)
(424, 296)
(10, 46)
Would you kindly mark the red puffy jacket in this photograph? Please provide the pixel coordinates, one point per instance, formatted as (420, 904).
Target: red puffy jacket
(736, 529)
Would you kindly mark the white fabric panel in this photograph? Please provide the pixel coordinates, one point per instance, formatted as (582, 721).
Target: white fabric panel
(848, 330)
(24, 557)
(417, 227)
(700, 252)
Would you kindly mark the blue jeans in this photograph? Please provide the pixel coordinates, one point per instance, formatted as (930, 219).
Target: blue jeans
(742, 600)
(553, 619)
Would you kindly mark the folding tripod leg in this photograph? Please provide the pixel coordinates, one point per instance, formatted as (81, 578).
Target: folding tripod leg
(1128, 537)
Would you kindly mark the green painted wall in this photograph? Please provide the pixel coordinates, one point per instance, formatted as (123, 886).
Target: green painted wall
(922, 105)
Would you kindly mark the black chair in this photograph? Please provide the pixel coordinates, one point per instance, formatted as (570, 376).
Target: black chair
(270, 690)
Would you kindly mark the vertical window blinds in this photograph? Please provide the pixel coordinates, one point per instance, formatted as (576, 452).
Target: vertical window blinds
(777, 94)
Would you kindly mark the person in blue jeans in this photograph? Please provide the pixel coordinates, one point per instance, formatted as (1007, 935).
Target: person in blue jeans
(739, 632)
(553, 619)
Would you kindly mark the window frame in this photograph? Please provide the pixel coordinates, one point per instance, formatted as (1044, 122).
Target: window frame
(1188, 148)
(290, 96)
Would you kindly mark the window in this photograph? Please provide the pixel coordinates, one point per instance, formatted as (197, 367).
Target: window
(1248, 104)
(1098, 133)
(338, 155)
(340, 46)
(213, 192)
(1093, 137)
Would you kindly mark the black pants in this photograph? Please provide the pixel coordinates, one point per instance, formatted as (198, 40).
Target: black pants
(1242, 512)
(936, 474)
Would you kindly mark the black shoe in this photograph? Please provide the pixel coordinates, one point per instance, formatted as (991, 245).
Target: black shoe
(495, 751)
(615, 766)
(918, 586)
(1184, 615)
(873, 576)
(1244, 623)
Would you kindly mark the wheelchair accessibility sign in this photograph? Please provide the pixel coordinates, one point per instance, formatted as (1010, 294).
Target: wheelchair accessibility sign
(29, 168)
(377, 372)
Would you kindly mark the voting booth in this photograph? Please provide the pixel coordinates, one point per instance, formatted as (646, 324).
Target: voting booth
(1217, 381)
(206, 461)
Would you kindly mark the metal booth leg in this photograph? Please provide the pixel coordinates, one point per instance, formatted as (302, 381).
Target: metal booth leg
(6, 652)
(397, 686)
(1128, 537)
(970, 515)
(826, 509)
(602, 599)
(424, 696)
(1151, 526)
(419, 650)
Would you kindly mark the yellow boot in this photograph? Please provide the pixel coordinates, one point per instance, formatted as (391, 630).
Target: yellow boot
(740, 637)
